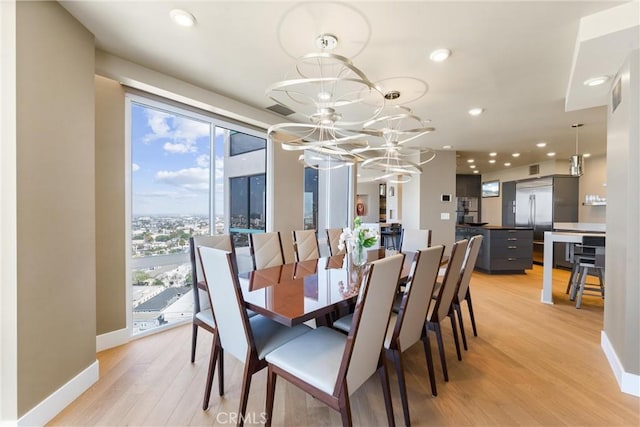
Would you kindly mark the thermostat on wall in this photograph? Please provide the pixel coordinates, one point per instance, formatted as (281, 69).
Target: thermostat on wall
(445, 197)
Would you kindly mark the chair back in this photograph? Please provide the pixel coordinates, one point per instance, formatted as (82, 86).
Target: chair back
(417, 297)
(450, 281)
(333, 240)
(305, 244)
(413, 240)
(218, 241)
(266, 250)
(228, 307)
(370, 322)
(468, 265)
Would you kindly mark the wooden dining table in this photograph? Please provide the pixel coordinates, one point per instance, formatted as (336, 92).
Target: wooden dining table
(297, 292)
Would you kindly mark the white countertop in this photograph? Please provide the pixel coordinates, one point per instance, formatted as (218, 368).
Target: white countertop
(581, 226)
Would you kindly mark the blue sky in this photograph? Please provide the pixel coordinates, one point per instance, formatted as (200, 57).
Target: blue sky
(170, 157)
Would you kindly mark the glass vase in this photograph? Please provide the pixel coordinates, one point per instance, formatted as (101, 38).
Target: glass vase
(359, 256)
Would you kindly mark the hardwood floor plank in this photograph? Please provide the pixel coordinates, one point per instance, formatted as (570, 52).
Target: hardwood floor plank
(532, 364)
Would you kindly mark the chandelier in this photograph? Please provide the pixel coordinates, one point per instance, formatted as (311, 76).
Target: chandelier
(346, 118)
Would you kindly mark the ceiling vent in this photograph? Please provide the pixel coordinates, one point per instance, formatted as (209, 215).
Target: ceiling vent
(534, 169)
(280, 109)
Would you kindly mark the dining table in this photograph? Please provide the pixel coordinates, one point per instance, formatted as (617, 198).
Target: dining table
(296, 292)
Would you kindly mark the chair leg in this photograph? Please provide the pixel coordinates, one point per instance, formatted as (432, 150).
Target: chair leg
(443, 360)
(244, 391)
(427, 353)
(572, 277)
(212, 366)
(471, 315)
(396, 356)
(194, 338)
(576, 285)
(386, 392)
(581, 285)
(345, 408)
(220, 370)
(455, 334)
(271, 393)
(458, 310)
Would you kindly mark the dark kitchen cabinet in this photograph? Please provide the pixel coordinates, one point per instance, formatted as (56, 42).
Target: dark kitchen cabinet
(503, 250)
(468, 185)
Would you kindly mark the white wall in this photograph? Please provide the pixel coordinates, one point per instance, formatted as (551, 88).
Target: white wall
(369, 193)
(621, 317)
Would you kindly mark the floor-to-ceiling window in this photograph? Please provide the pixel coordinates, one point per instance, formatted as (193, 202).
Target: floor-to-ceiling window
(183, 171)
(327, 196)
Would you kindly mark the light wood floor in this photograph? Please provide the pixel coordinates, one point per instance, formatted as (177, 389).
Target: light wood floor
(532, 364)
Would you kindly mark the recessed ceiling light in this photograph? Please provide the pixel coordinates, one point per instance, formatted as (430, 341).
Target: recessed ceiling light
(440, 55)
(476, 111)
(586, 155)
(507, 164)
(182, 18)
(541, 144)
(472, 166)
(493, 154)
(476, 171)
(470, 160)
(551, 154)
(492, 161)
(447, 147)
(516, 154)
(596, 81)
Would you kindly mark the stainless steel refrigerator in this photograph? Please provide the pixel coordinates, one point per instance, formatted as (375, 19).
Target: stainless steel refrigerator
(541, 202)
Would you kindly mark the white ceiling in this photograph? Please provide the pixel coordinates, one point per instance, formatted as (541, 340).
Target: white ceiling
(511, 58)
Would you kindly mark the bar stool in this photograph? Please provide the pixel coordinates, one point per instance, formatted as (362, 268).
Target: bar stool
(587, 258)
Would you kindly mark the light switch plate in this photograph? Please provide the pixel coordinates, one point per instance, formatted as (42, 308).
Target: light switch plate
(445, 215)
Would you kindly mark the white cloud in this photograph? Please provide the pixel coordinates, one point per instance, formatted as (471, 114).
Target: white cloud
(135, 167)
(203, 160)
(179, 148)
(195, 179)
(180, 133)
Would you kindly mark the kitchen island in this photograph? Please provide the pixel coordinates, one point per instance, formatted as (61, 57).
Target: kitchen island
(504, 249)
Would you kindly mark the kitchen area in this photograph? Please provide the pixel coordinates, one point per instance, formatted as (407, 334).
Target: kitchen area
(528, 205)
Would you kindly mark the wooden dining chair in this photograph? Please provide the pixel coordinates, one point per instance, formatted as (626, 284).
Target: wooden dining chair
(409, 325)
(202, 315)
(442, 307)
(305, 245)
(248, 339)
(412, 240)
(333, 240)
(330, 365)
(464, 292)
(266, 250)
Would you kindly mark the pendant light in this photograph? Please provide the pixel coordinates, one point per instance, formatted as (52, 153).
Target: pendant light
(576, 162)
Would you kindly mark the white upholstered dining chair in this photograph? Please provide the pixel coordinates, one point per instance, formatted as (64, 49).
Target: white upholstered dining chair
(408, 326)
(266, 250)
(415, 239)
(333, 240)
(305, 245)
(202, 314)
(442, 307)
(330, 365)
(248, 339)
(464, 292)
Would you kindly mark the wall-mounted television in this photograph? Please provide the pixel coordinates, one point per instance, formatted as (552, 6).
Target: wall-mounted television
(491, 188)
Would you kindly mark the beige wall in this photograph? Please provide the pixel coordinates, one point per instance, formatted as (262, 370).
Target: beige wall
(593, 182)
(438, 177)
(621, 317)
(369, 193)
(55, 202)
(110, 206)
(285, 193)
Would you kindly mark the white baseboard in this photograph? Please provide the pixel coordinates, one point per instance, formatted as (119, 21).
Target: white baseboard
(112, 339)
(51, 406)
(629, 383)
